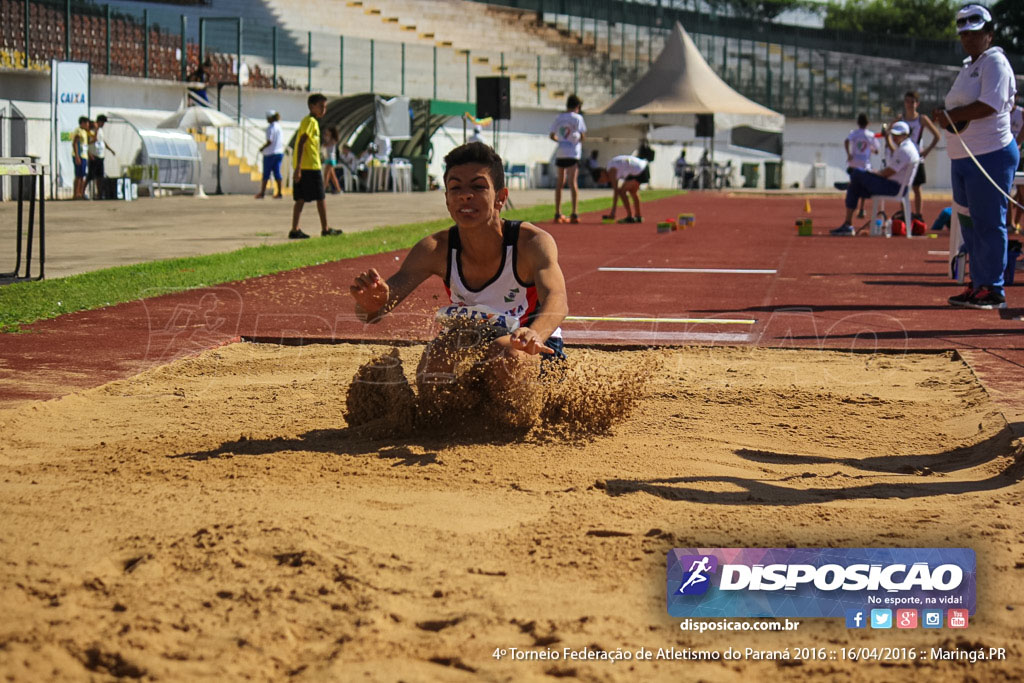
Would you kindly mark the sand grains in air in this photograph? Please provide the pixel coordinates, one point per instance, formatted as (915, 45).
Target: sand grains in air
(574, 397)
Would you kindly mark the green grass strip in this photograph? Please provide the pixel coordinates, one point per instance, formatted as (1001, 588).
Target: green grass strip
(23, 303)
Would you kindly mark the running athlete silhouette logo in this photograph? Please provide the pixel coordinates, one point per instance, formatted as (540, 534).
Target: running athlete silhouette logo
(698, 567)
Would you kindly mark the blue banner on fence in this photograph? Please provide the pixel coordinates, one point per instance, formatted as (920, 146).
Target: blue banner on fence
(816, 582)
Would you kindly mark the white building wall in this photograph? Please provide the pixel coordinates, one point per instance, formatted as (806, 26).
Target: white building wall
(811, 141)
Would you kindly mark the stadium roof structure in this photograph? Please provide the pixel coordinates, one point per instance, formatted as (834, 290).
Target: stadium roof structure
(681, 82)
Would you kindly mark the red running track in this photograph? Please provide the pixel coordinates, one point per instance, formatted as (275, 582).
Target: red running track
(852, 293)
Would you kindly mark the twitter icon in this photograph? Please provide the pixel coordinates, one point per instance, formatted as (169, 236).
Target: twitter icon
(881, 618)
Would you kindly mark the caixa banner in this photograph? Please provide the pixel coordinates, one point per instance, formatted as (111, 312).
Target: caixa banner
(816, 582)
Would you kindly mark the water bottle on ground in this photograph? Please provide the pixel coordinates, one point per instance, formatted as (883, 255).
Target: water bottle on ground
(888, 227)
(876, 227)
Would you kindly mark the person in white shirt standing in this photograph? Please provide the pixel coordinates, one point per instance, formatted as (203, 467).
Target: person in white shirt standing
(273, 153)
(98, 148)
(569, 131)
(977, 116)
(888, 181)
(918, 124)
(860, 144)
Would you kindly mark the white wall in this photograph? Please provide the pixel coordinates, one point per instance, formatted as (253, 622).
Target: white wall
(810, 141)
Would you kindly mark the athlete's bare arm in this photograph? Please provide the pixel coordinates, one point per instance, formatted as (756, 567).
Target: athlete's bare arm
(375, 298)
(539, 263)
(934, 130)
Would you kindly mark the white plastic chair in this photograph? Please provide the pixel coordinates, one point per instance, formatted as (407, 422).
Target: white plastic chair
(379, 174)
(348, 180)
(903, 195)
(518, 172)
(401, 175)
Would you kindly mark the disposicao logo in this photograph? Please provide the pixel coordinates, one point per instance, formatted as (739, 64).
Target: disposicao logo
(696, 579)
(817, 582)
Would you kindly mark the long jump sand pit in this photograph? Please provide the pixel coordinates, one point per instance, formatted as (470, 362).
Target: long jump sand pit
(216, 518)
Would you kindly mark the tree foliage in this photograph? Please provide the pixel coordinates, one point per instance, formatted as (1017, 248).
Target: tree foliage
(1009, 19)
(763, 10)
(917, 18)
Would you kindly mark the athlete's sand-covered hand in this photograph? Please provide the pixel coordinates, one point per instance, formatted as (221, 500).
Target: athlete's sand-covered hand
(526, 340)
(370, 291)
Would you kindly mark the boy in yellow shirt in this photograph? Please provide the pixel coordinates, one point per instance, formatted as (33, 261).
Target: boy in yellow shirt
(308, 185)
(79, 155)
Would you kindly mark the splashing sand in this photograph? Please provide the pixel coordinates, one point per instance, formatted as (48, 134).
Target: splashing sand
(569, 398)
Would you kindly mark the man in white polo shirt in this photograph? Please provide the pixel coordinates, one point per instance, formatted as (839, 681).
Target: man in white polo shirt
(888, 181)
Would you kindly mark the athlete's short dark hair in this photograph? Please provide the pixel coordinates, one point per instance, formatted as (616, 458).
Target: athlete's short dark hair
(477, 153)
(862, 120)
(912, 94)
(572, 102)
(314, 99)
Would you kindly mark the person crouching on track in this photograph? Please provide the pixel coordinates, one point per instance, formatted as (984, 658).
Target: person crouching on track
(633, 172)
(888, 181)
(503, 273)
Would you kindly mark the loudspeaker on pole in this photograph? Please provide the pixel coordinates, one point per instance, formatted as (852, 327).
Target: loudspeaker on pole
(493, 97)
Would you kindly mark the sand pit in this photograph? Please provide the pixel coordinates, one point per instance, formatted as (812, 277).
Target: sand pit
(217, 518)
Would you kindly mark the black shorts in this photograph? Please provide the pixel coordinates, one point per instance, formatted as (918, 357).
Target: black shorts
(95, 168)
(642, 177)
(920, 178)
(310, 187)
(566, 163)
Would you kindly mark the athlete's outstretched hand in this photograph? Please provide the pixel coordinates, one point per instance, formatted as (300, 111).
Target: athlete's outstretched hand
(370, 291)
(526, 340)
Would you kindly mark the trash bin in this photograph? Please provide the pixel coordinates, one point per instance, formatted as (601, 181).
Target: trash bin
(750, 174)
(820, 171)
(419, 173)
(773, 175)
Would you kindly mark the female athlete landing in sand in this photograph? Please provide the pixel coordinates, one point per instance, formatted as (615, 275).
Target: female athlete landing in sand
(502, 274)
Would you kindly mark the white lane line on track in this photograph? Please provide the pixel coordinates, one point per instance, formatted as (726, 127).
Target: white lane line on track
(939, 253)
(655, 337)
(674, 321)
(742, 271)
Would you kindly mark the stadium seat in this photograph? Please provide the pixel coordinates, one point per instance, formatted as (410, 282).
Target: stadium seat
(517, 172)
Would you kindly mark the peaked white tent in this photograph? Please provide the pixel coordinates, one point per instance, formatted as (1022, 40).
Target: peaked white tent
(678, 86)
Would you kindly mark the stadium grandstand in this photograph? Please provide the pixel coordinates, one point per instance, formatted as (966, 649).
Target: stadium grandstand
(435, 50)
(551, 47)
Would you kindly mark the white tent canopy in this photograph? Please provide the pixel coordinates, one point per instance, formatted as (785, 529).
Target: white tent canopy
(678, 86)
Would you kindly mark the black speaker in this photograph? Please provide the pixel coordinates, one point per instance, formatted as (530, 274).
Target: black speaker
(705, 127)
(493, 97)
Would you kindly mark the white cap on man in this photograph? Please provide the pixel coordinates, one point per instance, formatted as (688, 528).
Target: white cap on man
(972, 18)
(271, 113)
(900, 128)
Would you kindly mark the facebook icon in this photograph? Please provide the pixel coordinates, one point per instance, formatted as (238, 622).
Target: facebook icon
(855, 618)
